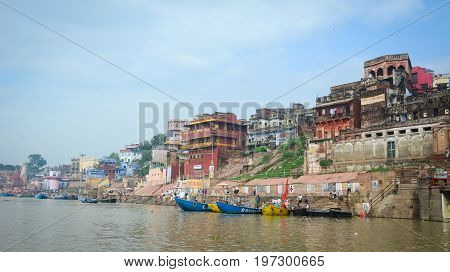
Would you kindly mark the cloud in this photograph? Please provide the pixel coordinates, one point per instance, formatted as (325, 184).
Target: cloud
(198, 51)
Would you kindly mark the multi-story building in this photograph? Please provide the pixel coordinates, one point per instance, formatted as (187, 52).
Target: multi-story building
(87, 163)
(272, 127)
(130, 153)
(159, 155)
(209, 139)
(396, 126)
(441, 81)
(109, 167)
(421, 79)
(384, 67)
(75, 165)
(174, 130)
(338, 111)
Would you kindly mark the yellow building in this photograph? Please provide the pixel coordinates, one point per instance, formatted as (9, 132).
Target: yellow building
(86, 163)
(441, 81)
(157, 176)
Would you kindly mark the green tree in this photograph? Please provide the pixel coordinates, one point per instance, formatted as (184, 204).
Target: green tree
(115, 156)
(144, 163)
(146, 146)
(158, 139)
(35, 164)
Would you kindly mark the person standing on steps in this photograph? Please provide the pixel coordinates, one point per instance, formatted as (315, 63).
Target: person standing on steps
(349, 187)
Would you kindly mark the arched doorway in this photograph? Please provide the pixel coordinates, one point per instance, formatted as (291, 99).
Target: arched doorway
(380, 72)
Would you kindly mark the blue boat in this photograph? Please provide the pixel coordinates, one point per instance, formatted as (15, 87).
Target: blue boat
(227, 208)
(191, 206)
(7, 195)
(88, 200)
(41, 196)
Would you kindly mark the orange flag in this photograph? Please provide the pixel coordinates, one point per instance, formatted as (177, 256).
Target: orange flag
(286, 191)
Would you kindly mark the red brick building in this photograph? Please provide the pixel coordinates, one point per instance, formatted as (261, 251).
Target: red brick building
(384, 67)
(211, 139)
(339, 111)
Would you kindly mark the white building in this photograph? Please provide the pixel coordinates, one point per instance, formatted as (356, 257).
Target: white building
(130, 153)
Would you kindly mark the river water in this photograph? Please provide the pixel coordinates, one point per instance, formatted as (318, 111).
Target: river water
(58, 225)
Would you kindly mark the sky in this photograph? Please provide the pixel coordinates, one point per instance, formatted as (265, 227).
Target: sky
(61, 101)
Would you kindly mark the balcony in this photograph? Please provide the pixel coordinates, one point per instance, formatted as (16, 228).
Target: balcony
(206, 133)
(334, 117)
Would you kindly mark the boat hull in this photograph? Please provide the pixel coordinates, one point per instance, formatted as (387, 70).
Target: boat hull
(300, 212)
(227, 208)
(109, 200)
(88, 200)
(61, 197)
(340, 214)
(214, 208)
(275, 211)
(41, 196)
(6, 195)
(191, 206)
(318, 212)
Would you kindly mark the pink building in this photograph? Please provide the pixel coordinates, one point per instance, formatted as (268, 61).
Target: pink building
(421, 79)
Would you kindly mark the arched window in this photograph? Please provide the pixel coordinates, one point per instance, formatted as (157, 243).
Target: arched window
(372, 74)
(390, 70)
(401, 67)
(380, 72)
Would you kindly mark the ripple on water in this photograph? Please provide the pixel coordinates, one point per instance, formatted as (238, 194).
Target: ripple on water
(130, 227)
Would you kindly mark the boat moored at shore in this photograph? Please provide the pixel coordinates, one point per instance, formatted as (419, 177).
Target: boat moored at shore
(6, 195)
(228, 208)
(41, 196)
(88, 200)
(272, 210)
(192, 206)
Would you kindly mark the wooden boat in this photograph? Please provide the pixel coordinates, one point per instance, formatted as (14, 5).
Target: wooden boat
(318, 212)
(228, 208)
(88, 200)
(108, 200)
(275, 211)
(300, 212)
(41, 196)
(339, 213)
(214, 208)
(61, 197)
(7, 195)
(191, 206)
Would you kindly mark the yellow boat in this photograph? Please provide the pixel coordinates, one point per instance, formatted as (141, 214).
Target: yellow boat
(275, 211)
(214, 208)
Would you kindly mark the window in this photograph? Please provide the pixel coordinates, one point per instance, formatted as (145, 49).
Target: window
(347, 110)
(267, 189)
(414, 130)
(402, 131)
(435, 112)
(379, 134)
(391, 149)
(368, 135)
(427, 129)
(424, 86)
(414, 78)
(415, 115)
(390, 133)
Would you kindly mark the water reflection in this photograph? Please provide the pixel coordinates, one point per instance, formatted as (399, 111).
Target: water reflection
(130, 227)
